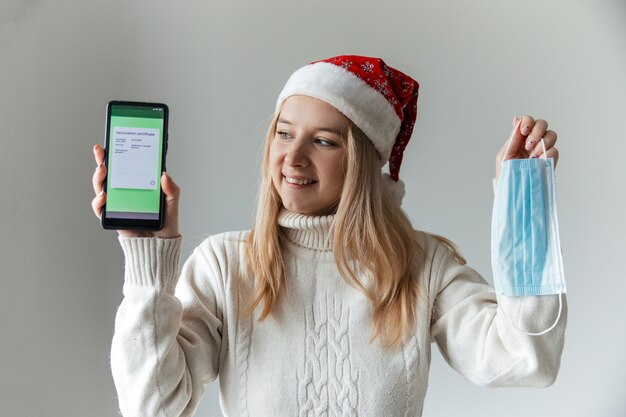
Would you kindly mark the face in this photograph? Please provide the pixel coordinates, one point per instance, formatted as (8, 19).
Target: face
(307, 155)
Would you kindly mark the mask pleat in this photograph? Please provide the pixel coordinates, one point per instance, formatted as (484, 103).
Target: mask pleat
(539, 224)
(505, 250)
(526, 252)
(523, 222)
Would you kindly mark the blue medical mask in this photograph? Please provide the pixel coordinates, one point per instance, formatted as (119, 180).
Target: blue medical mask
(525, 248)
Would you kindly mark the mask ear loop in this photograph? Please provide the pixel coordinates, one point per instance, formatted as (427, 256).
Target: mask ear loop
(558, 317)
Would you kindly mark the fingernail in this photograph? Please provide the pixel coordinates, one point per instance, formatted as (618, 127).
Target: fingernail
(100, 193)
(526, 130)
(529, 144)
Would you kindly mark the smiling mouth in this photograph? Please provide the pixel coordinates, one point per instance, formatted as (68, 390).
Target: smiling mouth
(297, 181)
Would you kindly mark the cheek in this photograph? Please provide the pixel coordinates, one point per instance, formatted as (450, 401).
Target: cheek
(336, 175)
(274, 158)
(275, 167)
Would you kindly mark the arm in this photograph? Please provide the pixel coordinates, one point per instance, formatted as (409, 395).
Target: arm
(166, 343)
(469, 322)
(475, 338)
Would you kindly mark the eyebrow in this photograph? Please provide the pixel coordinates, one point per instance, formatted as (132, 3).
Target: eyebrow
(323, 129)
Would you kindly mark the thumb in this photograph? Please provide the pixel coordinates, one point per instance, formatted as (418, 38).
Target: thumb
(171, 190)
(515, 142)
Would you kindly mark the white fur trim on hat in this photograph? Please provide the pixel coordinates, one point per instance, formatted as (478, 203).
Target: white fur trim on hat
(358, 101)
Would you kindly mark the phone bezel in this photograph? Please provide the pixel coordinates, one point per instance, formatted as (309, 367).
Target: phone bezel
(135, 224)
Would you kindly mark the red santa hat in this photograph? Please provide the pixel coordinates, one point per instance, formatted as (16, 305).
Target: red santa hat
(380, 100)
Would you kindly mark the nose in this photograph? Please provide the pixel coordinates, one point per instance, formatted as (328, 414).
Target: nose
(298, 153)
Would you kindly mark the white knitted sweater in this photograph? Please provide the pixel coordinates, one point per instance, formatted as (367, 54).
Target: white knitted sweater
(175, 333)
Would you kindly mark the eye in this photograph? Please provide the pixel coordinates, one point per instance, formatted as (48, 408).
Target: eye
(325, 142)
(282, 134)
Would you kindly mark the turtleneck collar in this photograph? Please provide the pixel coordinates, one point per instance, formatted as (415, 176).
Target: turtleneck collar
(309, 232)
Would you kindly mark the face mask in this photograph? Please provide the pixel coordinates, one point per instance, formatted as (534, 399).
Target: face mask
(525, 248)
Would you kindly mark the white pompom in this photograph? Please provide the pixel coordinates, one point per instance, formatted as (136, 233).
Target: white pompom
(396, 188)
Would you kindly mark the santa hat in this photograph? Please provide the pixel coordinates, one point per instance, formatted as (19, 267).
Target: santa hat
(380, 100)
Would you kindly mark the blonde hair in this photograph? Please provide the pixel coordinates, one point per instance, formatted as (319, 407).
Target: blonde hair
(371, 235)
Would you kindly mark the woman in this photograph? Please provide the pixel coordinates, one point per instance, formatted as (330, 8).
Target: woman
(329, 304)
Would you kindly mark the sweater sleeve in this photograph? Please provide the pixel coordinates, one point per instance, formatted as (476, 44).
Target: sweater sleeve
(168, 331)
(477, 340)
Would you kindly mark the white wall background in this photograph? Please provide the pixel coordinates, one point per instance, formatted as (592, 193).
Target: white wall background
(220, 67)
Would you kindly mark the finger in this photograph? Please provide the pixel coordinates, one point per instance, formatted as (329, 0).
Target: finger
(170, 188)
(553, 153)
(549, 139)
(98, 178)
(516, 140)
(97, 203)
(538, 131)
(98, 153)
(550, 153)
(527, 125)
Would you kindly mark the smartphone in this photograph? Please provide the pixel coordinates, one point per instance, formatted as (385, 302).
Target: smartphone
(135, 146)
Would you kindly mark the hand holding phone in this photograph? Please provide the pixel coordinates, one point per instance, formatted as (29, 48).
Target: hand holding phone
(135, 149)
(130, 182)
(172, 195)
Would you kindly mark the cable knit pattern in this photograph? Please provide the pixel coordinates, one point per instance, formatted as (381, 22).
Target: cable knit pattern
(312, 356)
(243, 355)
(329, 384)
(411, 355)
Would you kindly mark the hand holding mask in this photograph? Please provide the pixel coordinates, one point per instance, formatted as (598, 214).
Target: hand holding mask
(525, 246)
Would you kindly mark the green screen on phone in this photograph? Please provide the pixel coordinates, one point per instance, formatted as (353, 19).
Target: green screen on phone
(134, 162)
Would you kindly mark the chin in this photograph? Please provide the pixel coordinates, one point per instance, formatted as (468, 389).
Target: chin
(300, 210)
(313, 211)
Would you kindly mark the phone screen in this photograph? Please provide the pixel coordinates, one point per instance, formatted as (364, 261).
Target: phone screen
(136, 137)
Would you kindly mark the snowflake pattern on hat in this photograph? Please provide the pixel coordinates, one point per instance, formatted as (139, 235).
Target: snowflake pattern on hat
(400, 90)
(377, 98)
